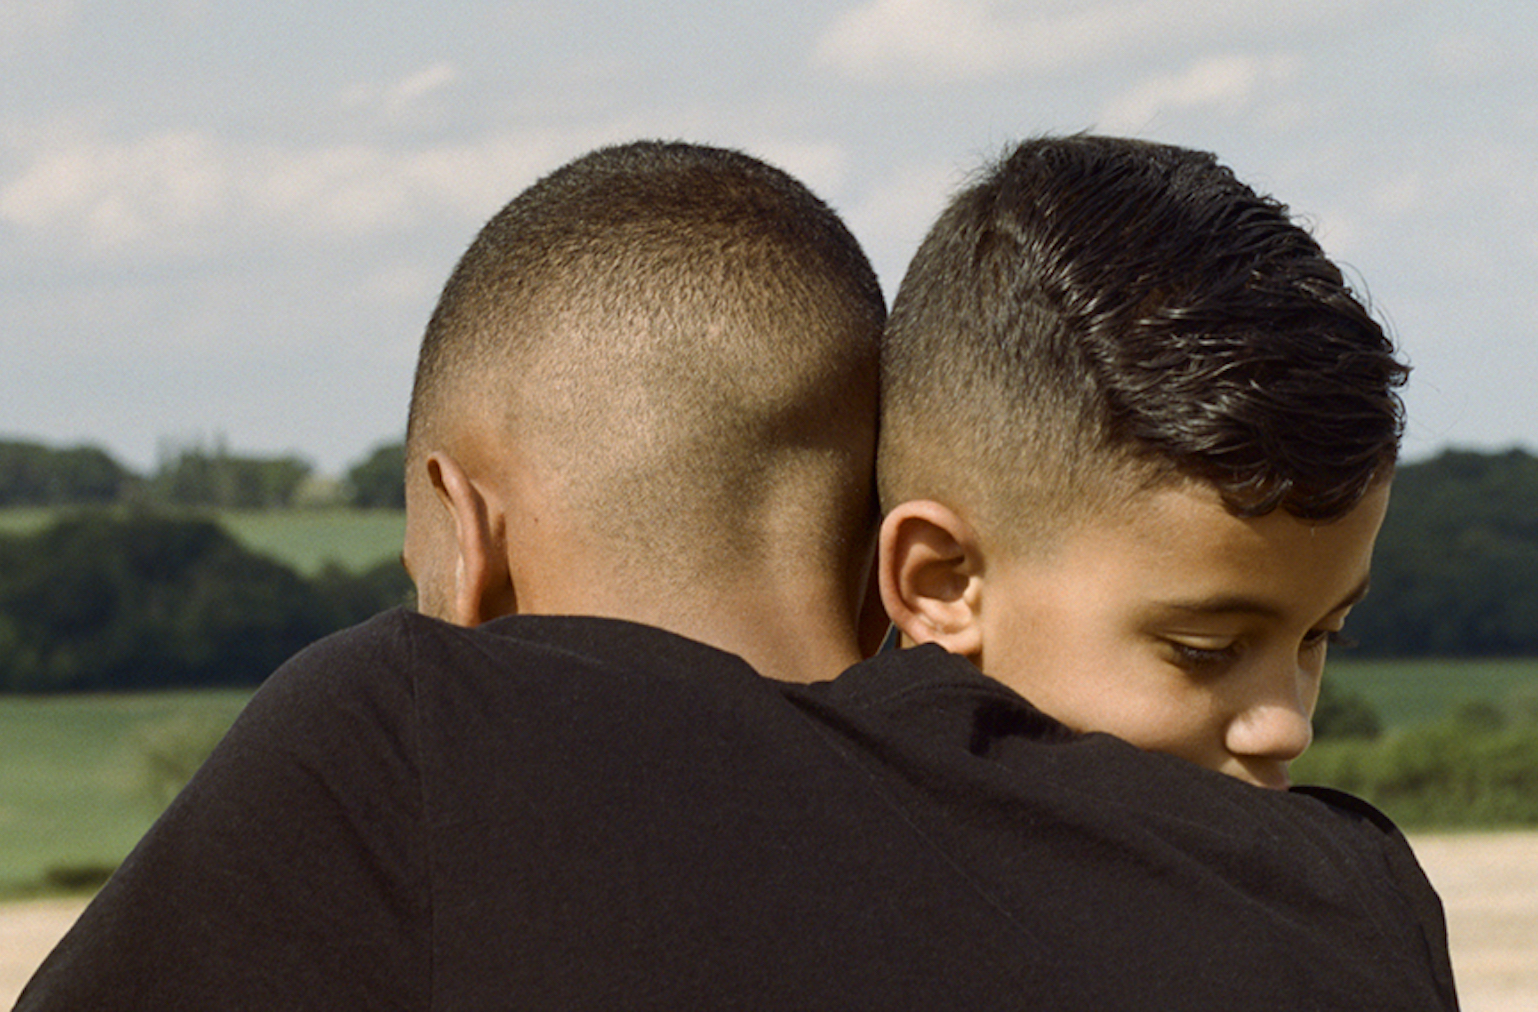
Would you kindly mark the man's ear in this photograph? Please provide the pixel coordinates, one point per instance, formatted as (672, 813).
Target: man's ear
(930, 570)
(872, 624)
(483, 586)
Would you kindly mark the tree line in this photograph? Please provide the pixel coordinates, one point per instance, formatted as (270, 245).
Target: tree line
(35, 475)
(121, 594)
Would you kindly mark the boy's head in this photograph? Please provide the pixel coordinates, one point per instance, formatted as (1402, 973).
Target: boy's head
(1136, 440)
(656, 367)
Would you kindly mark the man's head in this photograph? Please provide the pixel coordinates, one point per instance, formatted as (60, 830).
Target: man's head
(657, 364)
(1110, 342)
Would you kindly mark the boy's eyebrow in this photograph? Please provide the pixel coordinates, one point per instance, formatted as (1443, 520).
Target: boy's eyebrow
(1231, 604)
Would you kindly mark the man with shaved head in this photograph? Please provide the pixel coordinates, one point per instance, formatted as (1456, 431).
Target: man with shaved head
(640, 502)
(649, 392)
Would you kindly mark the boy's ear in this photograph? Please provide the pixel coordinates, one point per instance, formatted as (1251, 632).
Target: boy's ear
(483, 586)
(930, 571)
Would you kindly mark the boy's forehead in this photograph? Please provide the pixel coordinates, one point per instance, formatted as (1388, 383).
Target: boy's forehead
(1179, 546)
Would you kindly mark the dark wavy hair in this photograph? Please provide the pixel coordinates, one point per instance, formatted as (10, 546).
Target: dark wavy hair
(1094, 299)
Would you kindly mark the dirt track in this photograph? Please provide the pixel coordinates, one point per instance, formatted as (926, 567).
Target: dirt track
(1489, 885)
(27, 932)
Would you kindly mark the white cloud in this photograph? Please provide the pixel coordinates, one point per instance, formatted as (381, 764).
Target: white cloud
(1223, 84)
(107, 196)
(424, 82)
(1405, 193)
(187, 192)
(1473, 58)
(960, 40)
(941, 39)
(182, 191)
(398, 283)
(822, 165)
(404, 102)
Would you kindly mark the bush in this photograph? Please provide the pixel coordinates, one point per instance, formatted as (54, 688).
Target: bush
(77, 878)
(1468, 770)
(200, 477)
(32, 474)
(1342, 713)
(107, 601)
(1455, 573)
(379, 482)
(171, 751)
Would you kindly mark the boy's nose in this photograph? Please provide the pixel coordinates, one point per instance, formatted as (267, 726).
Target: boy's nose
(1277, 724)
(1271, 731)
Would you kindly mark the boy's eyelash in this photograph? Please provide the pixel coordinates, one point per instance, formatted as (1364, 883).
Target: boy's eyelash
(1208, 657)
(1340, 639)
(1204, 656)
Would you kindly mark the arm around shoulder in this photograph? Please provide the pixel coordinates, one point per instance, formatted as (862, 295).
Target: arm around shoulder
(290, 873)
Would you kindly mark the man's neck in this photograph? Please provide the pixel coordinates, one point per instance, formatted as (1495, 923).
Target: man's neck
(801, 635)
(789, 638)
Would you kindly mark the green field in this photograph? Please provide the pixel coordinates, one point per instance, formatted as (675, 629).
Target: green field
(25, 520)
(306, 539)
(78, 784)
(77, 787)
(78, 781)
(1406, 692)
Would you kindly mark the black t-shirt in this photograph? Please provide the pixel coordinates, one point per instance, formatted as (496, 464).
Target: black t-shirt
(577, 813)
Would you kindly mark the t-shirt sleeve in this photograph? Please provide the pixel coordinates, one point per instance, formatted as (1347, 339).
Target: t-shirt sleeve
(1421, 909)
(289, 873)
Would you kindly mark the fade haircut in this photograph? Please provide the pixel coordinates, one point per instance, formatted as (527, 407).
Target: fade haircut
(686, 336)
(1098, 315)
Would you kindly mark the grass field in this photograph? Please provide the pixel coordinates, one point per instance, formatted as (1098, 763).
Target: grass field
(308, 539)
(25, 520)
(76, 788)
(1406, 692)
(76, 785)
(304, 538)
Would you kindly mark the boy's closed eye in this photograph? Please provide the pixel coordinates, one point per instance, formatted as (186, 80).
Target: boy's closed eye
(1206, 653)
(1201, 656)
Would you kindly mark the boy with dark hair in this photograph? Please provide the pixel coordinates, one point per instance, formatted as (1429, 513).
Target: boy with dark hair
(1137, 439)
(1136, 445)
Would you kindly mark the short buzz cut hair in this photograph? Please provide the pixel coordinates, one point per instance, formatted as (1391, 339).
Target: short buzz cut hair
(1096, 314)
(680, 333)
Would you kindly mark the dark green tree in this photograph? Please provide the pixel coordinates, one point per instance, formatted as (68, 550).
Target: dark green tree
(379, 481)
(1456, 568)
(112, 602)
(216, 478)
(32, 474)
(1342, 713)
(348, 598)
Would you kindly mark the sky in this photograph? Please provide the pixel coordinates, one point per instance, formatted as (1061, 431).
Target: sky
(227, 223)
